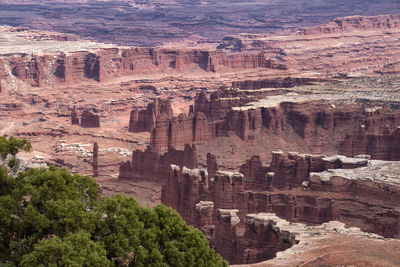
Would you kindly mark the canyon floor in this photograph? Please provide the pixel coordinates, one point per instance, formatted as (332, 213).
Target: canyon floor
(322, 90)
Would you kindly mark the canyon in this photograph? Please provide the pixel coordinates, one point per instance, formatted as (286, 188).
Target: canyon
(272, 144)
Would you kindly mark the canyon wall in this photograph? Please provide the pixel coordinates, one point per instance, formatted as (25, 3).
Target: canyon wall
(151, 166)
(178, 131)
(273, 83)
(109, 63)
(304, 195)
(89, 119)
(95, 163)
(322, 125)
(346, 24)
(144, 120)
(378, 135)
(260, 239)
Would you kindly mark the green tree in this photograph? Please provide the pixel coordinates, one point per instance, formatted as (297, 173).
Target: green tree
(49, 217)
(74, 250)
(9, 149)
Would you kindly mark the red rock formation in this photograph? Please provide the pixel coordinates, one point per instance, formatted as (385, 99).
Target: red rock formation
(95, 159)
(151, 166)
(220, 102)
(178, 131)
(227, 190)
(225, 233)
(113, 62)
(313, 201)
(183, 190)
(30, 68)
(353, 129)
(272, 83)
(261, 240)
(377, 135)
(89, 120)
(204, 219)
(319, 126)
(74, 117)
(350, 23)
(144, 120)
(212, 165)
(109, 63)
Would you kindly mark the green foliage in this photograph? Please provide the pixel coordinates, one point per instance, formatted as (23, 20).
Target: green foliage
(49, 217)
(75, 250)
(42, 203)
(141, 236)
(9, 149)
(12, 146)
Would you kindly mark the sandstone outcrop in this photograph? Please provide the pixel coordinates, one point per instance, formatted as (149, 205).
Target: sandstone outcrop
(151, 166)
(204, 219)
(272, 83)
(350, 23)
(89, 119)
(144, 120)
(319, 124)
(74, 117)
(314, 189)
(225, 233)
(95, 159)
(217, 192)
(108, 63)
(180, 130)
(378, 135)
(262, 239)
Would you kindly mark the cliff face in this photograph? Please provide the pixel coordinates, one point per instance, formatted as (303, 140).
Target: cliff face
(261, 238)
(180, 130)
(89, 119)
(308, 193)
(144, 120)
(350, 23)
(95, 163)
(151, 166)
(321, 125)
(377, 135)
(108, 63)
(62, 68)
(272, 83)
(74, 62)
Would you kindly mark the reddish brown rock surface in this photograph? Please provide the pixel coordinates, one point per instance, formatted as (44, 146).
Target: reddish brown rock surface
(347, 24)
(144, 120)
(324, 197)
(74, 117)
(320, 124)
(150, 166)
(89, 120)
(95, 159)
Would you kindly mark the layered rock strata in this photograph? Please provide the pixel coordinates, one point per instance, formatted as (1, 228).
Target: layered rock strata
(151, 166)
(89, 119)
(180, 130)
(101, 63)
(95, 159)
(144, 120)
(327, 195)
(321, 125)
